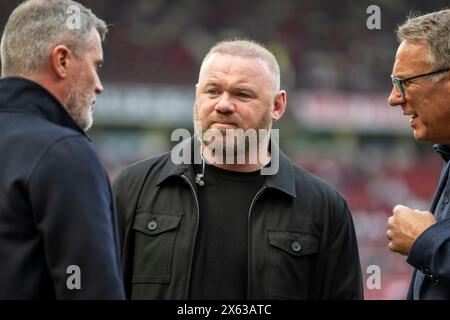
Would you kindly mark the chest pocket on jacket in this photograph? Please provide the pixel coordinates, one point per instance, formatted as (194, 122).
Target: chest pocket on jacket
(292, 263)
(155, 236)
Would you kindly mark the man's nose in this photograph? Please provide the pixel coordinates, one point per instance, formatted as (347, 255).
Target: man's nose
(395, 97)
(225, 104)
(98, 87)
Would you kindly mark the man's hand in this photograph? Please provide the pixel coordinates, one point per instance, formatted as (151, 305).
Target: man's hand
(405, 226)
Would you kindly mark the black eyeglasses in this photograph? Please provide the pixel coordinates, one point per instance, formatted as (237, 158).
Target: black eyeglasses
(399, 82)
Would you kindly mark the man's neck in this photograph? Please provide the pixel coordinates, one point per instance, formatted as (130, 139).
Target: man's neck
(48, 82)
(249, 164)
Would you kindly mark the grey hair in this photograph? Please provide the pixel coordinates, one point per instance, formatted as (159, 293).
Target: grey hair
(248, 49)
(35, 27)
(434, 28)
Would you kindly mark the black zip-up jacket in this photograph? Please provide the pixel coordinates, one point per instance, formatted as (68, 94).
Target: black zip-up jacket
(301, 238)
(58, 236)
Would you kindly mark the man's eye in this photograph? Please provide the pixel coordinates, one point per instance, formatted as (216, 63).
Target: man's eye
(243, 95)
(406, 82)
(212, 92)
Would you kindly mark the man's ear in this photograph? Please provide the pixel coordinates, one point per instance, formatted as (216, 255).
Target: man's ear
(279, 105)
(61, 58)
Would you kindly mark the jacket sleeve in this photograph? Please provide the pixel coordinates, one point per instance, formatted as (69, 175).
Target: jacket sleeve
(74, 213)
(344, 277)
(430, 253)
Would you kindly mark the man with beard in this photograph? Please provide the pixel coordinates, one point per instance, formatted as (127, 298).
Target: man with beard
(58, 236)
(421, 87)
(220, 228)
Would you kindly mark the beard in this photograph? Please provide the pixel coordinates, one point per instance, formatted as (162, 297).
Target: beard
(80, 104)
(239, 140)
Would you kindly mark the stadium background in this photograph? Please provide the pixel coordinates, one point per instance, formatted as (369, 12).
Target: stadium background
(335, 70)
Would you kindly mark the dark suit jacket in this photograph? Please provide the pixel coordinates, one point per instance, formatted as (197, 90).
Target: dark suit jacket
(56, 206)
(430, 253)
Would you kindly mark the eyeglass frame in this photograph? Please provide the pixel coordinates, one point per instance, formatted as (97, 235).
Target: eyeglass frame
(399, 82)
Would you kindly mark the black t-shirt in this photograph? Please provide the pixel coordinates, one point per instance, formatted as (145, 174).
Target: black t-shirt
(219, 268)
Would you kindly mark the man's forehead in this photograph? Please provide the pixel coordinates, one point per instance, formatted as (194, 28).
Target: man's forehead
(95, 41)
(219, 64)
(411, 56)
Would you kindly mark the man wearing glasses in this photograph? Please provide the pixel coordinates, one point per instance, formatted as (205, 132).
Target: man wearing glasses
(421, 87)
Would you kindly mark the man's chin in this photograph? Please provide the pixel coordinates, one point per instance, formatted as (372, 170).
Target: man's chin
(420, 136)
(88, 125)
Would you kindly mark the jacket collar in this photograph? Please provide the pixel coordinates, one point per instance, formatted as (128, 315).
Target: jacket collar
(23, 95)
(283, 180)
(443, 150)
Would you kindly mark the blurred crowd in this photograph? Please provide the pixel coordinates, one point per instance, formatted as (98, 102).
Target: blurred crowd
(374, 178)
(320, 44)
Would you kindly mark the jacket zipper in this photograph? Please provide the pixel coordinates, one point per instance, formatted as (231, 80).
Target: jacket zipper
(249, 255)
(195, 236)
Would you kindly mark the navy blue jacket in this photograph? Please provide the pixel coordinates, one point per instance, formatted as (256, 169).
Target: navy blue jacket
(56, 205)
(430, 253)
